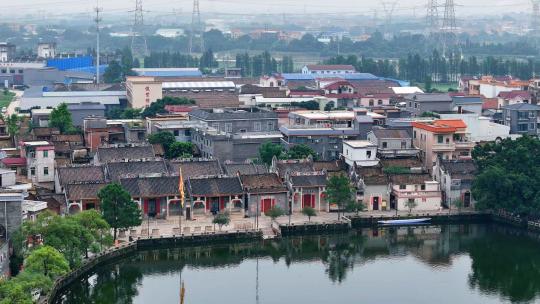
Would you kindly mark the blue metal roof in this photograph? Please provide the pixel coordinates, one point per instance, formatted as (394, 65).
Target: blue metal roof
(64, 64)
(171, 73)
(91, 69)
(402, 83)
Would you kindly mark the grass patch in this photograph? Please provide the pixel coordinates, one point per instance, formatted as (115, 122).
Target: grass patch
(6, 98)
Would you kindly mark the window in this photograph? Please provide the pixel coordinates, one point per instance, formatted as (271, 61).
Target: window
(440, 139)
(32, 171)
(187, 132)
(270, 126)
(402, 187)
(422, 187)
(414, 134)
(532, 126)
(416, 105)
(384, 145)
(368, 154)
(257, 126)
(403, 145)
(176, 132)
(522, 127)
(45, 154)
(215, 125)
(228, 127)
(379, 102)
(371, 102)
(532, 114)
(45, 170)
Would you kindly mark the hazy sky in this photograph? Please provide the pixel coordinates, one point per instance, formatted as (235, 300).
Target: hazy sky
(403, 7)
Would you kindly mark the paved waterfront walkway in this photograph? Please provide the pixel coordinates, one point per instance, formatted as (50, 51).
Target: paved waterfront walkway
(203, 223)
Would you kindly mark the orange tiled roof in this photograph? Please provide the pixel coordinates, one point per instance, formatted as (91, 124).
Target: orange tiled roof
(441, 125)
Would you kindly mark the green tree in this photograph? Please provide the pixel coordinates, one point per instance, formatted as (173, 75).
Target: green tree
(274, 212)
(268, 150)
(12, 123)
(47, 261)
(428, 85)
(13, 292)
(163, 137)
(508, 176)
(222, 219)
(130, 113)
(94, 223)
(127, 62)
(340, 192)
(68, 237)
(113, 73)
(355, 206)
(159, 106)
(458, 203)
(61, 118)
(309, 212)
(118, 209)
(179, 149)
(411, 204)
(301, 151)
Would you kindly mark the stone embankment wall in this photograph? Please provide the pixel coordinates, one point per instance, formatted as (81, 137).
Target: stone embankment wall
(142, 244)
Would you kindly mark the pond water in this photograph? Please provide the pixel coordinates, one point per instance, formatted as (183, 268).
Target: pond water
(426, 264)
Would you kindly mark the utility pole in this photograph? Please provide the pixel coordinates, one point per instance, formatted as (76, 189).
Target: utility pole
(197, 30)
(139, 48)
(97, 19)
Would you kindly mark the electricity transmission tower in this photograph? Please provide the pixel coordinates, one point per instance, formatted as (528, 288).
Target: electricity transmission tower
(535, 19)
(197, 31)
(432, 17)
(389, 8)
(97, 20)
(139, 48)
(449, 28)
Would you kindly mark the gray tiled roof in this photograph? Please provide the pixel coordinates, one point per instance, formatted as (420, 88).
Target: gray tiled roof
(151, 186)
(283, 167)
(195, 168)
(227, 114)
(75, 192)
(391, 133)
(122, 169)
(262, 183)
(108, 154)
(462, 168)
(308, 180)
(429, 97)
(244, 168)
(522, 107)
(214, 186)
(69, 175)
(410, 179)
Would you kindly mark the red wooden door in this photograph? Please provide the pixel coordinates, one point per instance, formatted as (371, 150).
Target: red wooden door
(308, 200)
(267, 204)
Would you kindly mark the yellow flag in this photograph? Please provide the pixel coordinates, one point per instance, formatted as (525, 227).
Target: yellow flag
(181, 189)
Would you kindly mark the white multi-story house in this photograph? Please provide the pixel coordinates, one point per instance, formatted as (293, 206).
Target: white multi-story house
(39, 160)
(418, 188)
(361, 153)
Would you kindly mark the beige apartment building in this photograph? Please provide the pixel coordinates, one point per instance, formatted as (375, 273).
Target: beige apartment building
(143, 91)
(447, 138)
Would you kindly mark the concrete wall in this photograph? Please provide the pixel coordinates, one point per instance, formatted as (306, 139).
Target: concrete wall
(380, 191)
(281, 201)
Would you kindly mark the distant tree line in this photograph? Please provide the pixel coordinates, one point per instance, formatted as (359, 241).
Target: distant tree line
(436, 68)
(263, 64)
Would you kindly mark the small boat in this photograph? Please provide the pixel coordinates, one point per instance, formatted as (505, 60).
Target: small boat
(406, 222)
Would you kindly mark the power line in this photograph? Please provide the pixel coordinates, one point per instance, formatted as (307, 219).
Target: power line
(197, 31)
(432, 17)
(139, 48)
(389, 8)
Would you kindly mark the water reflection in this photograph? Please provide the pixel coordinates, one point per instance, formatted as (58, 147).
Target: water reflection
(504, 262)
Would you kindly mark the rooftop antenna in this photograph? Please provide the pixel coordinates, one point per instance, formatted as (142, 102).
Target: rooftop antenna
(197, 30)
(139, 48)
(97, 20)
